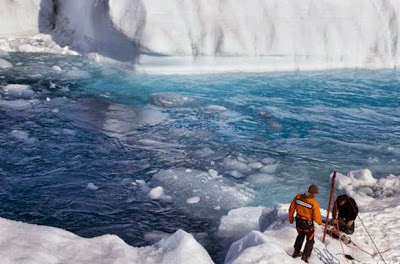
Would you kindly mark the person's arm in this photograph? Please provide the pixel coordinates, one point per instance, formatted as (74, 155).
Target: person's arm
(317, 213)
(291, 210)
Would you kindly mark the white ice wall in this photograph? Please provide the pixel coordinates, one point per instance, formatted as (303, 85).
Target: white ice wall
(317, 33)
(21, 17)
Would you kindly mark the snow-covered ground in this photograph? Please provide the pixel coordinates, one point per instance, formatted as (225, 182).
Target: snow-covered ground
(257, 234)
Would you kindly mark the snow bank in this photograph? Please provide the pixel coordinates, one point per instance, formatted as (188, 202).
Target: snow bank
(34, 244)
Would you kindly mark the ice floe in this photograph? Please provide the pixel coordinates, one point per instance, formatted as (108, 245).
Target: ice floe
(169, 100)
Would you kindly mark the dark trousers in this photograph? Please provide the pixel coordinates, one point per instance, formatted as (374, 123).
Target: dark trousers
(309, 234)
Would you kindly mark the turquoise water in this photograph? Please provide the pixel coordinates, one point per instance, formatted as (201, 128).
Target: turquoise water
(103, 127)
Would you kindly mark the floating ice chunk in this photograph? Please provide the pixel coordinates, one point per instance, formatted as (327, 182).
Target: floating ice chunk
(193, 200)
(217, 108)
(255, 165)
(268, 161)
(212, 192)
(91, 186)
(235, 164)
(140, 182)
(217, 208)
(204, 152)
(48, 99)
(56, 68)
(269, 168)
(77, 74)
(52, 85)
(157, 193)
(16, 104)
(69, 132)
(18, 90)
(169, 99)
(241, 159)
(5, 64)
(239, 222)
(236, 174)
(260, 178)
(213, 173)
(126, 181)
(22, 136)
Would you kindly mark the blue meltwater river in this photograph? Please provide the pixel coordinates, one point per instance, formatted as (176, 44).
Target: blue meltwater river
(82, 148)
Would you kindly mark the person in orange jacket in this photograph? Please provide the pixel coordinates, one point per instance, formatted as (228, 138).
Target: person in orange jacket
(307, 211)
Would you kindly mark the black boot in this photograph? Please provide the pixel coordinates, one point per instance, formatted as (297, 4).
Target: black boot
(305, 259)
(296, 254)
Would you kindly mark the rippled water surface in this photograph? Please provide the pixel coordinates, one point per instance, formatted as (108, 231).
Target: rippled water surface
(72, 151)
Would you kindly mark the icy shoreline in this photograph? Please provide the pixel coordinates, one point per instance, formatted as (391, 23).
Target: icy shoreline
(241, 226)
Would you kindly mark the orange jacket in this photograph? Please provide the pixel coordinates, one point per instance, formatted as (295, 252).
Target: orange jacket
(306, 207)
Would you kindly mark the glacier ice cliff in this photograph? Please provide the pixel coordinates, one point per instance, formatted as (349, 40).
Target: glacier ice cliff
(260, 34)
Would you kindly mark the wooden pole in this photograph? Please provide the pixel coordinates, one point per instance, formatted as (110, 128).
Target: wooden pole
(329, 204)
